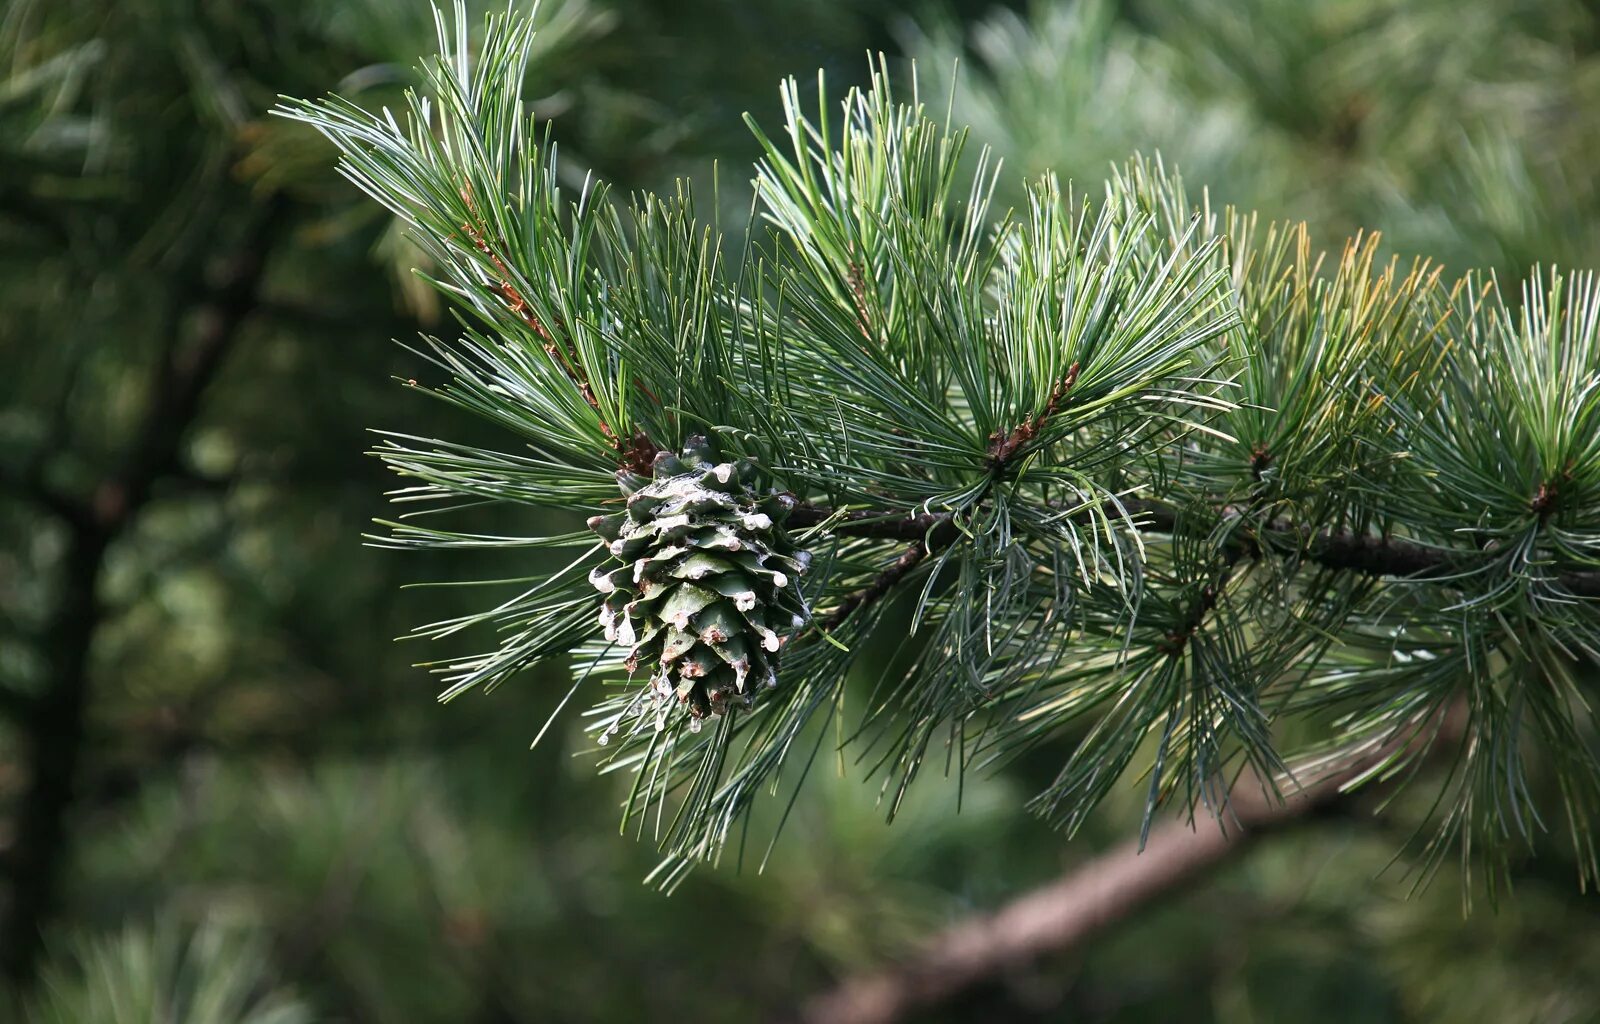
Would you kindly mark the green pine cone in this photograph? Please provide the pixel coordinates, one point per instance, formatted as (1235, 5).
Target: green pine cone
(706, 592)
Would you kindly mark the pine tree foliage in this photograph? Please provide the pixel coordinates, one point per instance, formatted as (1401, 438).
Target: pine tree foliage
(1459, 129)
(1164, 489)
(215, 974)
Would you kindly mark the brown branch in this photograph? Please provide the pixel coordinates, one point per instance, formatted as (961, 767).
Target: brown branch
(1174, 643)
(1097, 895)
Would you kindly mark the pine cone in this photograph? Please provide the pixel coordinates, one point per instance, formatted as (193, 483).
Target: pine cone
(706, 592)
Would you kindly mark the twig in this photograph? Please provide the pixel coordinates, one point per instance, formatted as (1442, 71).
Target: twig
(1003, 447)
(858, 295)
(636, 451)
(1337, 550)
(566, 358)
(932, 526)
(880, 585)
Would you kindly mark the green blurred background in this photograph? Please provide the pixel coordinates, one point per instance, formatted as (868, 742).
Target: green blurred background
(269, 818)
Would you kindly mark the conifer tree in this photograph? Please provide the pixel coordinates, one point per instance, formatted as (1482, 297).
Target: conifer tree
(1167, 492)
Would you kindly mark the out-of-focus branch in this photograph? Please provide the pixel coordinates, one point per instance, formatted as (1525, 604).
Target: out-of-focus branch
(56, 723)
(17, 707)
(28, 484)
(1101, 893)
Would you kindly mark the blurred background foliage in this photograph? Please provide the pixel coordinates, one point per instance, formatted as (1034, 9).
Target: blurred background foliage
(268, 818)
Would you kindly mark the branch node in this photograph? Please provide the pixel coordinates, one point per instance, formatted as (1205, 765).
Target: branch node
(1003, 447)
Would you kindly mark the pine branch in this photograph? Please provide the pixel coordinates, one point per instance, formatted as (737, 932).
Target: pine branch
(988, 387)
(1340, 550)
